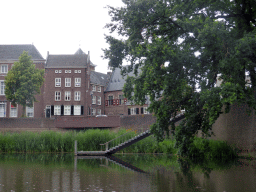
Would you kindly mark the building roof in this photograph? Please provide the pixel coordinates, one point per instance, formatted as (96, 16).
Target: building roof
(13, 52)
(98, 78)
(78, 60)
(117, 81)
(66, 61)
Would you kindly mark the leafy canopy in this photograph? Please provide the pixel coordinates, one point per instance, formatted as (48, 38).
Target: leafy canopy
(181, 46)
(23, 82)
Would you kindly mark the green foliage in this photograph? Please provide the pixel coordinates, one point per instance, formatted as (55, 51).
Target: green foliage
(181, 47)
(23, 81)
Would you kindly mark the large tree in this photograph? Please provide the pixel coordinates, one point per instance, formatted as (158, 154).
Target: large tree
(181, 46)
(23, 82)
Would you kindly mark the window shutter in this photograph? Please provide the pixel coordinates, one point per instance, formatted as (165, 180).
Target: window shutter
(106, 103)
(72, 109)
(129, 111)
(141, 110)
(82, 110)
(52, 109)
(62, 110)
(137, 111)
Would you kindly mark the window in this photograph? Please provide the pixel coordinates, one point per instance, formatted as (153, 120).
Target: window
(30, 111)
(69, 71)
(110, 99)
(57, 109)
(133, 111)
(57, 95)
(13, 111)
(93, 112)
(77, 82)
(57, 82)
(2, 109)
(66, 71)
(146, 110)
(56, 71)
(67, 82)
(4, 68)
(2, 88)
(98, 111)
(67, 109)
(75, 71)
(77, 95)
(121, 99)
(77, 109)
(99, 101)
(67, 95)
(93, 99)
(99, 88)
(79, 71)
(60, 71)
(93, 88)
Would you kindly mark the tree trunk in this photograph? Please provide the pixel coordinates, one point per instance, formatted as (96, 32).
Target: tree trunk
(23, 111)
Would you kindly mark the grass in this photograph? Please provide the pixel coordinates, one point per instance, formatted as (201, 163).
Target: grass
(90, 140)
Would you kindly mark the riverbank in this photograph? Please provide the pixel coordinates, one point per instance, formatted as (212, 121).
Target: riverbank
(90, 140)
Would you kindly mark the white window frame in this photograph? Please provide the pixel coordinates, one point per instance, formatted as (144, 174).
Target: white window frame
(75, 71)
(79, 71)
(77, 95)
(2, 87)
(78, 82)
(11, 113)
(4, 111)
(145, 110)
(69, 71)
(93, 87)
(99, 89)
(57, 97)
(98, 100)
(67, 109)
(67, 82)
(93, 112)
(67, 95)
(98, 111)
(57, 82)
(56, 71)
(93, 99)
(57, 109)
(66, 71)
(4, 71)
(77, 109)
(60, 71)
(133, 111)
(30, 108)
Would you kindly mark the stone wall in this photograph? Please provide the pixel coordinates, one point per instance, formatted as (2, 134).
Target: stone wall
(237, 128)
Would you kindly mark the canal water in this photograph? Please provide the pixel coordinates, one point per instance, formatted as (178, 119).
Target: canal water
(130, 172)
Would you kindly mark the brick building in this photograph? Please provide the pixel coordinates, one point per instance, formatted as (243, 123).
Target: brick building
(8, 55)
(72, 87)
(115, 102)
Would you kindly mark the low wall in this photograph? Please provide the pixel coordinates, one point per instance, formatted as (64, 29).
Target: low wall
(76, 122)
(237, 128)
(137, 121)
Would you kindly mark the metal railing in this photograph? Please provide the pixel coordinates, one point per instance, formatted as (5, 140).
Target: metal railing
(122, 138)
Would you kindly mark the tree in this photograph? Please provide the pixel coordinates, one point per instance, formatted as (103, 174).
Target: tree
(23, 82)
(181, 46)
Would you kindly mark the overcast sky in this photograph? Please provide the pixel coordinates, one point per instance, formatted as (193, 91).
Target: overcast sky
(58, 26)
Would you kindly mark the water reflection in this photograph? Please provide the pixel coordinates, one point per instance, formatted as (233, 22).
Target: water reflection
(63, 172)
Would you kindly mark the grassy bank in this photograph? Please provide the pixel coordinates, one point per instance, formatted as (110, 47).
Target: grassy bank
(90, 140)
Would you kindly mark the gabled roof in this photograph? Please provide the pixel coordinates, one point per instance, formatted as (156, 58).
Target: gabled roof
(80, 52)
(117, 81)
(66, 61)
(13, 52)
(98, 78)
